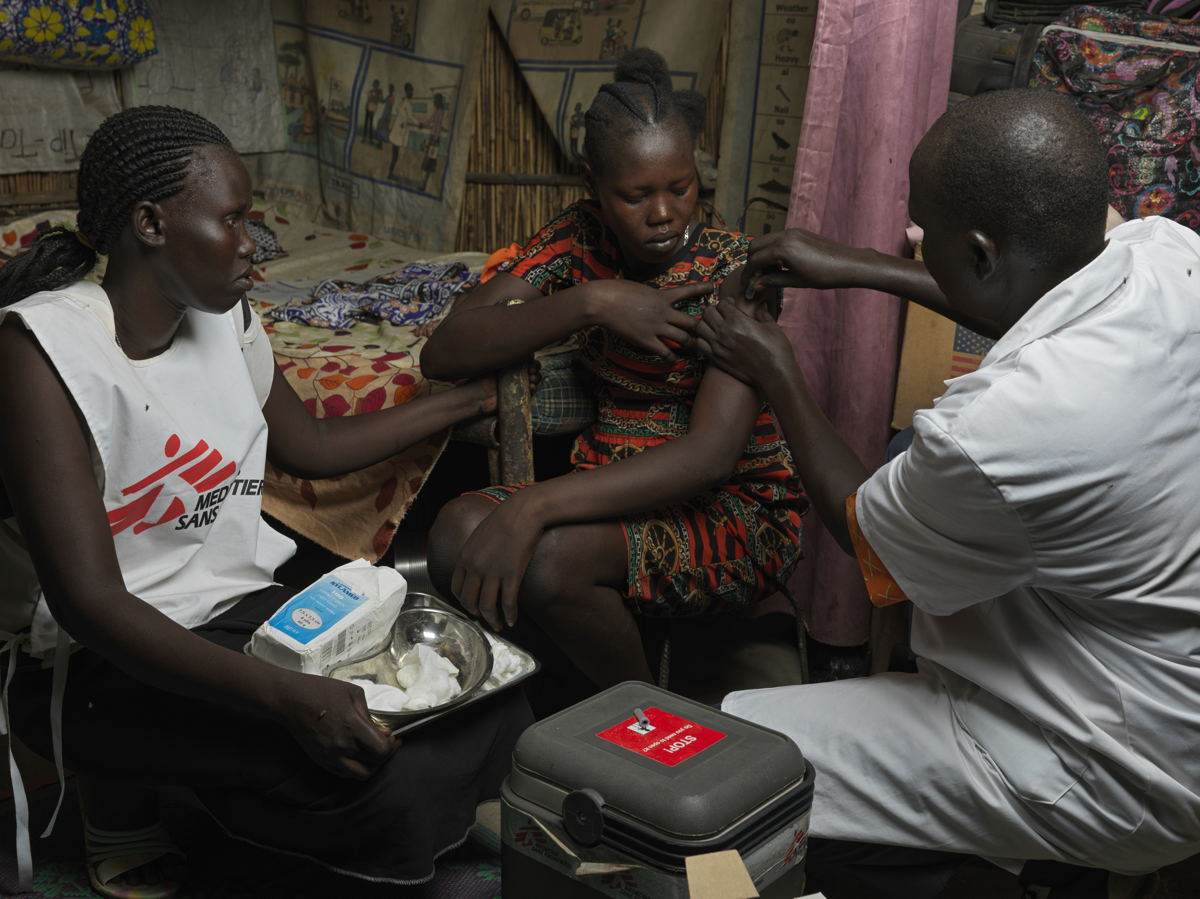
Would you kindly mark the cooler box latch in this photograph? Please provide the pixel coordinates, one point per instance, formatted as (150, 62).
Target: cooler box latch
(583, 816)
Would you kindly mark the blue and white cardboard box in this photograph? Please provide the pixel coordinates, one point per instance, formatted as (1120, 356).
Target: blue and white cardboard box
(341, 616)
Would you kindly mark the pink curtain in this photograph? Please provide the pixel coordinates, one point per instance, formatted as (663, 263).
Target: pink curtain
(880, 76)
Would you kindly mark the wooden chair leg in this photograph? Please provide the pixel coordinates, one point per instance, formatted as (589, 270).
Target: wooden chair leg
(515, 427)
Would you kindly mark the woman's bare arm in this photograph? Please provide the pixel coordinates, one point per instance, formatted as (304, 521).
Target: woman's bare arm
(47, 473)
(324, 447)
(493, 560)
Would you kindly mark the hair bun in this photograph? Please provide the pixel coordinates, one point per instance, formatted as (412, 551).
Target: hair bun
(644, 66)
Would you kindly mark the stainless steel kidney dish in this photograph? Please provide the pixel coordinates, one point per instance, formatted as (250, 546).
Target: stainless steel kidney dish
(453, 637)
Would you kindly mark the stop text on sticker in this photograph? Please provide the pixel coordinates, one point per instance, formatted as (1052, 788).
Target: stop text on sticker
(668, 740)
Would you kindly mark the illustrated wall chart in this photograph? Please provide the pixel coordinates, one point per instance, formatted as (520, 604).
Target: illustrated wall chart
(375, 94)
(566, 49)
(213, 61)
(770, 43)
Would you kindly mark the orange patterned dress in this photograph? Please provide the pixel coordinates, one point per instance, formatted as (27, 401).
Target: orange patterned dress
(727, 547)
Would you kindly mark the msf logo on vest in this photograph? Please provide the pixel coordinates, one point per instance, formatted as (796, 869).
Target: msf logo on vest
(202, 470)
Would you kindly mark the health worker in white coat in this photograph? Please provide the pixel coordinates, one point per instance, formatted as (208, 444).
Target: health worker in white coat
(1044, 524)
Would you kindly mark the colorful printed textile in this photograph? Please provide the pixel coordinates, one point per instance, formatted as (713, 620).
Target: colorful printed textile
(727, 547)
(267, 243)
(101, 34)
(416, 295)
(1134, 76)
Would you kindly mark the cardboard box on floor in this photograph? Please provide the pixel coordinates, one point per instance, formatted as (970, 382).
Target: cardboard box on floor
(934, 350)
(719, 875)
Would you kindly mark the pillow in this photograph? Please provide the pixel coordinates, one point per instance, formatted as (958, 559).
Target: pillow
(87, 34)
(565, 400)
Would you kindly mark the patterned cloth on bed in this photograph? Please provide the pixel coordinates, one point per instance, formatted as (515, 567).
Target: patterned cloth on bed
(266, 242)
(345, 371)
(1134, 76)
(417, 294)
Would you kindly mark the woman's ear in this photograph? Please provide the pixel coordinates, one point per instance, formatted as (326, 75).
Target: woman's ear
(148, 224)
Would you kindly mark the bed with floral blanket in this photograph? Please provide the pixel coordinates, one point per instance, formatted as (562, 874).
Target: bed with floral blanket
(369, 363)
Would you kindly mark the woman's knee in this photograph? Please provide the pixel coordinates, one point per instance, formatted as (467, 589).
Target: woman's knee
(453, 525)
(569, 561)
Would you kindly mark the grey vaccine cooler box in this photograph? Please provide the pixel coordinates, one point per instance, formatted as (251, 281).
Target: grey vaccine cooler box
(613, 794)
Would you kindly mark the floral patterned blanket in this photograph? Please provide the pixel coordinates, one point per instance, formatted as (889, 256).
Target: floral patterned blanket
(346, 371)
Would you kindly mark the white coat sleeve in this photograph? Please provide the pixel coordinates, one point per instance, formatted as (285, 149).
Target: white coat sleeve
(944, 531)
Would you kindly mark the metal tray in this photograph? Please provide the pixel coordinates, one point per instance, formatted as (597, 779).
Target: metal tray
(529, 665)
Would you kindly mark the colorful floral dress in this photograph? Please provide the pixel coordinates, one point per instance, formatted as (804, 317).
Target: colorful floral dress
(727, 547)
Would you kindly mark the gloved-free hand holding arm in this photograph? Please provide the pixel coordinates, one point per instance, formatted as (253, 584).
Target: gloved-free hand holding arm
(799, 258)
(753, 348)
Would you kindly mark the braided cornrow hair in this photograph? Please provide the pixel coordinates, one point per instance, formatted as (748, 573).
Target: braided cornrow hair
(641, 96)
(137, 154)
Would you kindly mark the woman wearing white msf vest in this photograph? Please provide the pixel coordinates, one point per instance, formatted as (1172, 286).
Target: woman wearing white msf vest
(135, 422)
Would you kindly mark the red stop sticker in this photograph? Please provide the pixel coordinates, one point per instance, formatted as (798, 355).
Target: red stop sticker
(667, 738)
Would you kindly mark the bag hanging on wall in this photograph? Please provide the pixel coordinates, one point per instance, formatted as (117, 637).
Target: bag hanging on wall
(1134, 75)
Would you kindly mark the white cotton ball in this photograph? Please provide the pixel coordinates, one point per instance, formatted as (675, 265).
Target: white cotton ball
(383, 697)
(506, 664)
(429, 678)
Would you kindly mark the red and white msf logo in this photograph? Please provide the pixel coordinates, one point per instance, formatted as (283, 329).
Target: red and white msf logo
(200, 467)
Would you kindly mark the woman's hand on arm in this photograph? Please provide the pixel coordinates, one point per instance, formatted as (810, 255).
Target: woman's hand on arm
(492, 563)
(645, 316)
(755, 349)
(483, 334)
(47, 472)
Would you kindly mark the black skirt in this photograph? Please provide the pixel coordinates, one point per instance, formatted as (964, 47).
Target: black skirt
(257, 781)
